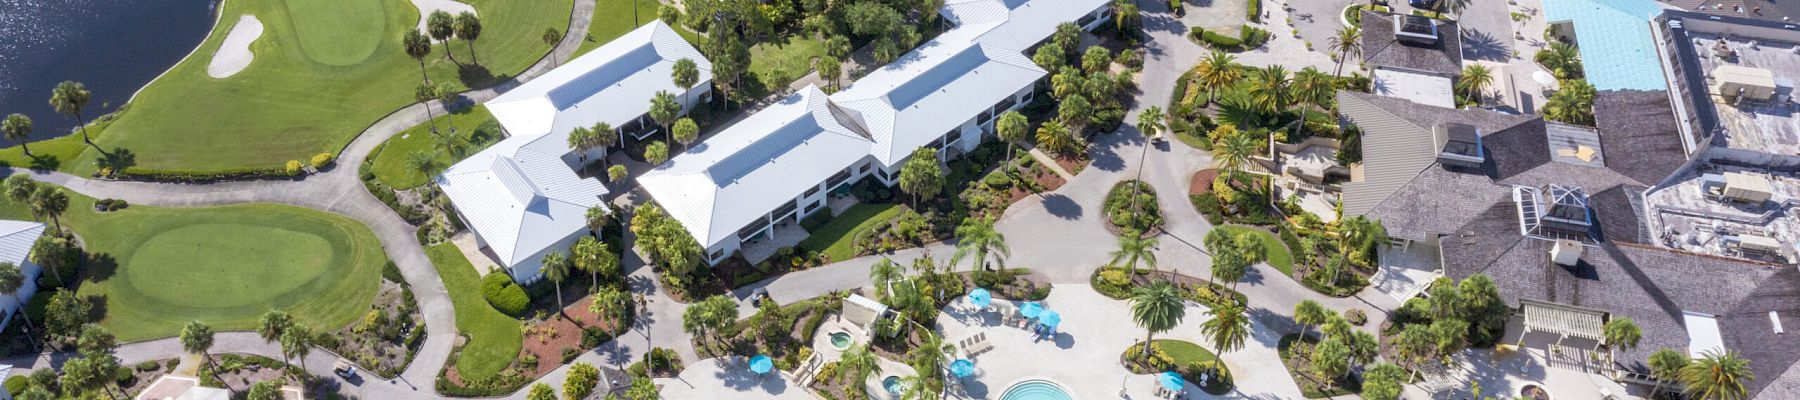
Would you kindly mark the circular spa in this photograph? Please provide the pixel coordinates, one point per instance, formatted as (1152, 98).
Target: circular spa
(841, 340)
(1036, 389)
(893, 385)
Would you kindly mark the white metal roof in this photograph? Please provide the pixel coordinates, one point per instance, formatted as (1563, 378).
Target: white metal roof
(1427, 89)
(16, 238)
(521, 199)
(923, 94)
(754, 166)
(1015, 24)
(612, 84)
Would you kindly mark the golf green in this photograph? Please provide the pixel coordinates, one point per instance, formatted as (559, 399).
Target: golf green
(162, 267)
(324, 71)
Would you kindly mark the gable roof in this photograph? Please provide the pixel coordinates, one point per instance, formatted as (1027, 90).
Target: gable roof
(1015, 24)
(744, 171)
(16, 239)
(612, 84)
(920, 96)
(519, 197)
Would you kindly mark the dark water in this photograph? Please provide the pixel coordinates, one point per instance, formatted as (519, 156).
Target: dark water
(112, 46)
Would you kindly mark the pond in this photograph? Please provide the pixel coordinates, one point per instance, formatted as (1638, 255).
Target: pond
(114, 47)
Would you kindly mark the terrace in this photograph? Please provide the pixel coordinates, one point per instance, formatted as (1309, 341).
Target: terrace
(1729, 211)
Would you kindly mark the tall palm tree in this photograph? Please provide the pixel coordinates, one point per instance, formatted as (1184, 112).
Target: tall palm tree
(442, 27)
(1134, 248)
(296, 342)
(272, 324)
(1217, 71)
(468, 27)
(425, 93)
(1234, 153)
(611, 303)
(882, 274)
(581, 140)
(1475, 80)
(50, 202)
(596, 218)
(1156, 307)
(1227, 328)
(1150, 121)
(685, 131)
(1666, 366)
(551, 37)
(422, 162)
(858, 362)
(663, 110)
(1716, 376)
(685, 74)
(1346, 43)
(1012, 128)
(417, 46)
(18, 128)
(1620, 332)
(1309, 313)
(589, 255)
(1273, 89)
(977, 237)
(555, 268)
(68, 98)
(1312, 87)
(197, 338)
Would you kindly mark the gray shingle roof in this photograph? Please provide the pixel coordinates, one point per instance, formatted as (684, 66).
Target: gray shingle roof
(1641, 130)
(1381, 49)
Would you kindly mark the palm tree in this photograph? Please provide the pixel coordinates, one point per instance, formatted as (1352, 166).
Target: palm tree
(1309, 313)
(18, 128)
(977, 237)
(197, 338)
(417, 46)
(468, 27)
(1273, 90)
(68, 98)
(592, 256)
(1574, 103)
(581, 140)
(685, 132)
(656, 152)
(1346, 43)
(830, 69)
(425, 93)
(858, 362)
(664, 109)
(883, 273)
(1218, 71)
(1227, 328)
(442, 27)
(1133, 247)
(1313, 87)
(296, 342)
(1150, 121)
(50, 202)
(686, 74)
(1234, 153)
(1621, 332)
(596, 218)
(610, 302)
(272, 324)
(1012, 128)
(1716, 376)
(1156, 307)
(922, 175)
(555, 268)
(1666, 366)
(422, 162)
(551, 37)
(1562, 59)
(1054, 137)
(1475, 80)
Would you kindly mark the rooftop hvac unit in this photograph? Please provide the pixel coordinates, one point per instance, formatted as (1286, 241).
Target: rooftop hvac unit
(1566, 252)
(1735, 83)
(1747, 187)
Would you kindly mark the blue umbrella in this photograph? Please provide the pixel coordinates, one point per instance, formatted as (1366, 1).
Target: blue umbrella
(962, 368)
(980, 297)
(1031, 309)
(761, 364)
(1171, 380)
(1050, 318)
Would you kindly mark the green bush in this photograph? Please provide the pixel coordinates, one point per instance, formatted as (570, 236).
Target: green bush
(816, 220)
(1208, 205)
(1254, 11)
(1119, 207)
(997, 179)
(504, 295)
(17, 384)
(1253, 37)
(148, 366)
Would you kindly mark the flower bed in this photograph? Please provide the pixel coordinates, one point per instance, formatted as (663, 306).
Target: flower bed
(1140, 213)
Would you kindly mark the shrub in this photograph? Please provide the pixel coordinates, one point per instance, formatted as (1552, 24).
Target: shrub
(997, 179)
(148, 366)
(816, 220)
(124, 376)
(1120, 204)
(1253, 37)
(1254, 11)
(1355, 316)
(17, 384)
(319, 161)
(1215, 40)
(108, 205)
(504, 295)
(1208, 205)
(294, 167)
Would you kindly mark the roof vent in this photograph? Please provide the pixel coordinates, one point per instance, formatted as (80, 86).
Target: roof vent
(1415, 30)
(1566, 252)
(1459, 145)
(1775, 320)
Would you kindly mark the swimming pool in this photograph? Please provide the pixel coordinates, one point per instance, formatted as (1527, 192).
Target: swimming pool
(1036, 390)
(1620, 53)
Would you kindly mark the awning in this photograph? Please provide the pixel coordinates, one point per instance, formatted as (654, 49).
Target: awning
(1566, 320)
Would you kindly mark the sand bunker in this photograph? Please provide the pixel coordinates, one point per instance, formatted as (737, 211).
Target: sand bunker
(234, 54)
(450, 6)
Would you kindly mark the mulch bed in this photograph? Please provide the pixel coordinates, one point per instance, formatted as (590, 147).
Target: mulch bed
(1044, 177)
(1073, 164)
(1202, 182)
(548, 338)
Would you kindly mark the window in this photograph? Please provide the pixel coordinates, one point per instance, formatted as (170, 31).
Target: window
(753, 228)
(984, 117)
(810, 192)
(1085, 20)
(716, 255)
(838, 178)
(1005, 104)
(953, 136)
(814, 206)
(865, 168)
(785, 210)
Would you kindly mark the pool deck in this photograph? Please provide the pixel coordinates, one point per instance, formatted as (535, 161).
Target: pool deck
(1084, 355)
(728, 378)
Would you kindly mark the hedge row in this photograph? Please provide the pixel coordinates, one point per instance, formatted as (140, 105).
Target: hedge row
(506, 296)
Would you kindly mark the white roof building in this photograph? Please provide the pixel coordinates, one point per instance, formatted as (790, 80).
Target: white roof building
(522, 197)
(611, 84)
(16, 239)
(774, 164)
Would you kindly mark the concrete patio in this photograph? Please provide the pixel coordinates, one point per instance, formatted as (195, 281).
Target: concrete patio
(729, 378)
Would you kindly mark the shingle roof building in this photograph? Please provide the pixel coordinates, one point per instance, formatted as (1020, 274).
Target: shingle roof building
(1383, 48)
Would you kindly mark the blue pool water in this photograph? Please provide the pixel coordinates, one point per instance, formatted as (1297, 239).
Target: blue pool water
(893, 385)
(1036, 390)
(1617, 50)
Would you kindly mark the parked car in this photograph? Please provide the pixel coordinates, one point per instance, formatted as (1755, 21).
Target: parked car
(344, 369)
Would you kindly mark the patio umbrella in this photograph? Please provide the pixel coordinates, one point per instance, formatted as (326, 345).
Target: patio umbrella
(761, 364)
(1031, 309)
(1050, 318)
(980, 297)
(1543, 78)
(962, 368)
(1171, 380)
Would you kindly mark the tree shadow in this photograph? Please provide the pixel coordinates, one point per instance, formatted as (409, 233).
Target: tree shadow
(1478, 45)
(1062, 206)
(476, 75)
(100, 267)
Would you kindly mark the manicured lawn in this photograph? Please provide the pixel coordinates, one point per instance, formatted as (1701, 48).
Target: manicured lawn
(1279, 256)
(389, 161)
(1185, 353)
(835, 237)
(53, 151)
(779, 62)
(324, 71)
(494, 338)
(613, 18)
(223, 265)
